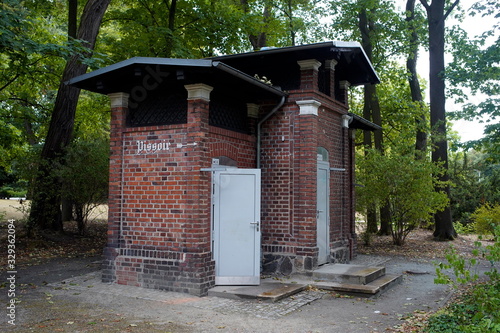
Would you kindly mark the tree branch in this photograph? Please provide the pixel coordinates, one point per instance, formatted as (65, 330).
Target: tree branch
(425, 4)
(9, 82)
(451, 8)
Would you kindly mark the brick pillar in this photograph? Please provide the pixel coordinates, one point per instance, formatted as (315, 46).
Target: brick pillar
(344, 86)
(119, 108)
(309, 74)
(330, 66)
(305, 180)
(199, 265)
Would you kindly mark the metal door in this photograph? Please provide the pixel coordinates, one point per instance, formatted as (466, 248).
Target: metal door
(236, 226)
(322, 211)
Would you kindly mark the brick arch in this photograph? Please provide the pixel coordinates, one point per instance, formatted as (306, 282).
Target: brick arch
(227, 152)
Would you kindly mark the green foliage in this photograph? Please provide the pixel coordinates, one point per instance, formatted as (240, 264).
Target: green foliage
(84, 176)
(9, 192)
(476, 312)
(474, 72)
(479, 310)
(405, 184)
(464, 229)
(475, 180)
(487, 218)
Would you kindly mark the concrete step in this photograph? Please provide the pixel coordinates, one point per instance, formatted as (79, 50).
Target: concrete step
(373, 288)
(356, 280)
(345, 273)
(267, 291)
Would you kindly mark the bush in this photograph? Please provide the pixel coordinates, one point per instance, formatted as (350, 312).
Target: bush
(464, 228)
(85, 177)
(479, 310)
(403, 184)
(486, 218)
(7, 192)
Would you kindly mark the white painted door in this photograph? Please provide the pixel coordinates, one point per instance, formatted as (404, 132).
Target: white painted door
(322, 211)
(236, 226)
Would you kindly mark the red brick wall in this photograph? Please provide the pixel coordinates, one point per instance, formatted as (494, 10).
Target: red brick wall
(289, 163)
(159, 232)
(159, 229)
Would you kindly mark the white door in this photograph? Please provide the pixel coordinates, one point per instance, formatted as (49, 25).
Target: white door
(322, 211)
(236, 226)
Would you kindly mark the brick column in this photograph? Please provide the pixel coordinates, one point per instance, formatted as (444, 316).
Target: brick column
(305, 181)
(344, 86)
(309, 74)
(199, 266)
(330, 66)
(119, 108)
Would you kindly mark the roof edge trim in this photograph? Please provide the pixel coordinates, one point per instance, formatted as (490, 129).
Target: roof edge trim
(230, 70)
(364, 123)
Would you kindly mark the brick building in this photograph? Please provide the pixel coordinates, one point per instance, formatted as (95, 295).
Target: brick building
(225, 168)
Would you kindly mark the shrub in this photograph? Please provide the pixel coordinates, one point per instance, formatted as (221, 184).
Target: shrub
(464, 228)
(403, 184)
(479, 310)
(85, 177)
(486, 218)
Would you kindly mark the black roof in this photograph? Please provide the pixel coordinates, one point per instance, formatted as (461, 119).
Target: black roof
(231, 72)
(353, 64)
(143, 73)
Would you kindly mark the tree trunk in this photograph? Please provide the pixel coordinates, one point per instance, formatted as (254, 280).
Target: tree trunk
(416, 92)
(72, 18)
(259, 40)
(436, 17)
(371, 111)
(169, 38)
(45, 210)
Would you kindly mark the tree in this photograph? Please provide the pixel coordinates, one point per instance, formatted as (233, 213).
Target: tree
(371, 107)
(474, 71)
(403, 184)
(436, 17)
(45, 210)
(413, 81)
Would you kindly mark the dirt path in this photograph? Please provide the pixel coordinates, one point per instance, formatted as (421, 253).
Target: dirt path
(82, 303)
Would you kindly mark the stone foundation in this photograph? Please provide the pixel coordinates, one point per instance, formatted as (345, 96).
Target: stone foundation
(286, 264)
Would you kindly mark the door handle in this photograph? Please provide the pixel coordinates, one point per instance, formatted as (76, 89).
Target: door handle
(257, 224)
(319, 211)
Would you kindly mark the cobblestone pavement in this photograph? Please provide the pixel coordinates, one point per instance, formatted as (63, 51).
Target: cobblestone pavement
(259, 309)
(91, 283)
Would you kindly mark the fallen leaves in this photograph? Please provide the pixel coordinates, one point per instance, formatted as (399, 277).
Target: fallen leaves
(419, 244)
(32, 250)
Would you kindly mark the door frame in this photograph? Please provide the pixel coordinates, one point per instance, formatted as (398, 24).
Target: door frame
(323, 240)
(219, 231)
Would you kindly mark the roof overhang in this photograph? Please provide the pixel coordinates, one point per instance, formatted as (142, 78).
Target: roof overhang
(353, 64)
(143, 73)
(358, 122)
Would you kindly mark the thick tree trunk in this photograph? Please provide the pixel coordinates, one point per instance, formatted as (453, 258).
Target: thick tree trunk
(45, 210)
(416, 92)
(72, 18)
(436, 17)
(371, 111)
